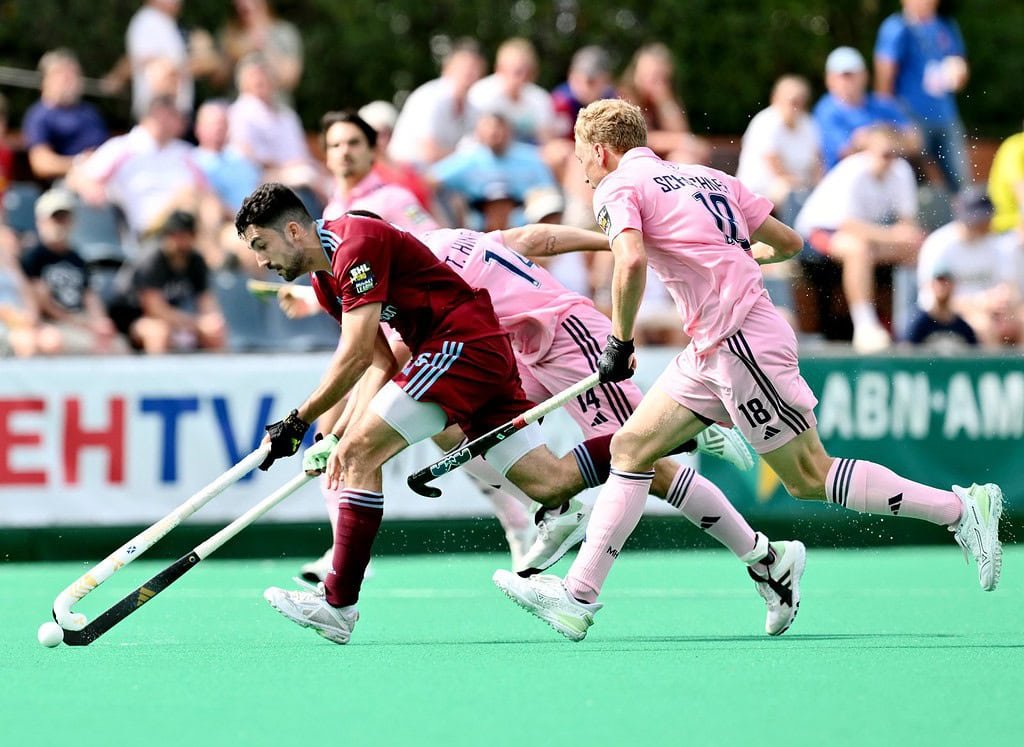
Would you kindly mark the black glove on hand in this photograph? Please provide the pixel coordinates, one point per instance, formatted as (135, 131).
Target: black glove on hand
(285, 438)
(613, 365)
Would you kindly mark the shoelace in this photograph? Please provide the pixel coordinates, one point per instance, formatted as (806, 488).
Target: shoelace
(784, 592)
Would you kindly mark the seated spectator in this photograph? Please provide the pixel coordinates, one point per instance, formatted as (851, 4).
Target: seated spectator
(255, 28)
(920, 61)
(847, 110)
(649, 83)
(494, 173)
(981, 264)
(937, 325)
(439, 113)
(863, 214)
(6, 154)
(589, 79)
(60, 282)
(166, 304)
(20, 332)
(147, 173)
(60, 126)
(781, 153)
(269, 132)
(513, 91)
(231, 175)
(350, 151)
(153, 33)
(381, 116)
(1006, 186)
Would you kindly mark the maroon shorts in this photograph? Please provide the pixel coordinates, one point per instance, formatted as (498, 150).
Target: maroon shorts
(475, 383)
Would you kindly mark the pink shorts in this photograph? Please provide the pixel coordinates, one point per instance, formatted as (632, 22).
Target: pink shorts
(580, 336)
(751, 379)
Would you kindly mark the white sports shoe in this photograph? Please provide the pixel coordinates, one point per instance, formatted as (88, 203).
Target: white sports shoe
(978, 530)
(519, 541)
(780, 586)
(871, 338)
(310, 610)
(547, 598)
(315, 571)
(727, 444)
(556, 534)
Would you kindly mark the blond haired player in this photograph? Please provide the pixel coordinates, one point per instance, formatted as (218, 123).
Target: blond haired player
(704, 234)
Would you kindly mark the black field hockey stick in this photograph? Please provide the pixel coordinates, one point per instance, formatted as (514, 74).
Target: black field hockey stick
(419, 481)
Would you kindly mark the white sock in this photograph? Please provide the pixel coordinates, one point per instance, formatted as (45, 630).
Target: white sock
(863, 314)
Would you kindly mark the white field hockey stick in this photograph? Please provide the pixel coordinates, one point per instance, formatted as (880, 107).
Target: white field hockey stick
(459, 456)
(141, 542)
(179, 568)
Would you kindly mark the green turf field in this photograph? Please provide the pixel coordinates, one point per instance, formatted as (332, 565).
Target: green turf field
(892, 646)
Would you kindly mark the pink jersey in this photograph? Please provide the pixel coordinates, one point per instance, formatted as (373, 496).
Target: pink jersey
(527, 300)
(392, 202)
(696, 224)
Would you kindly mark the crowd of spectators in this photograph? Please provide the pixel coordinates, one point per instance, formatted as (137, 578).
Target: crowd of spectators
(125, 240)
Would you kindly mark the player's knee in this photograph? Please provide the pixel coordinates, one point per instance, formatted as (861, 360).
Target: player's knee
(631, 451)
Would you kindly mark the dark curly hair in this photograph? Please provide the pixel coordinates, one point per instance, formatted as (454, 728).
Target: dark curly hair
(271, 205)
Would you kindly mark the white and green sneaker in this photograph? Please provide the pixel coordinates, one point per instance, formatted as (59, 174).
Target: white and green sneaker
(978, 530)
(311, 610)
(547, 598)
(557, 533)
(727, 444)
(779, 585)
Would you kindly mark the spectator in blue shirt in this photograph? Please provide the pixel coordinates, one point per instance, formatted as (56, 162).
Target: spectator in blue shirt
(494, 174)
(846, 113)
(920, 60)
(60, 126)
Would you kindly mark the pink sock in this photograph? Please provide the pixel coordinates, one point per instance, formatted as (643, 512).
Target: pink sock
(706, 506)
(616, 514)
(873, 489)
(331, 502)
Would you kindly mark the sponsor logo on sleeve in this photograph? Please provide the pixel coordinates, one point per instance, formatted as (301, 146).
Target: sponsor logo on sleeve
(603, 219)
(362, 278)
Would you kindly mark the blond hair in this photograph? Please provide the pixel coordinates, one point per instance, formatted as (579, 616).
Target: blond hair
(614, 123)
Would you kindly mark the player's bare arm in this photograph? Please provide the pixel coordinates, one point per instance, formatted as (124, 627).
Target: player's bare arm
(775, 242)
(383, 368)
(548, 240)
(629, 278)
(350, 361)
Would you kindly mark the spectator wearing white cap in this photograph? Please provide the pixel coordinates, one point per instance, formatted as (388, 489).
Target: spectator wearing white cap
(844, 113)
(983, 266)
(74, 319)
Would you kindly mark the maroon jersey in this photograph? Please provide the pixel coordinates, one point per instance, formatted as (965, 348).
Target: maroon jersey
(420, 297)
